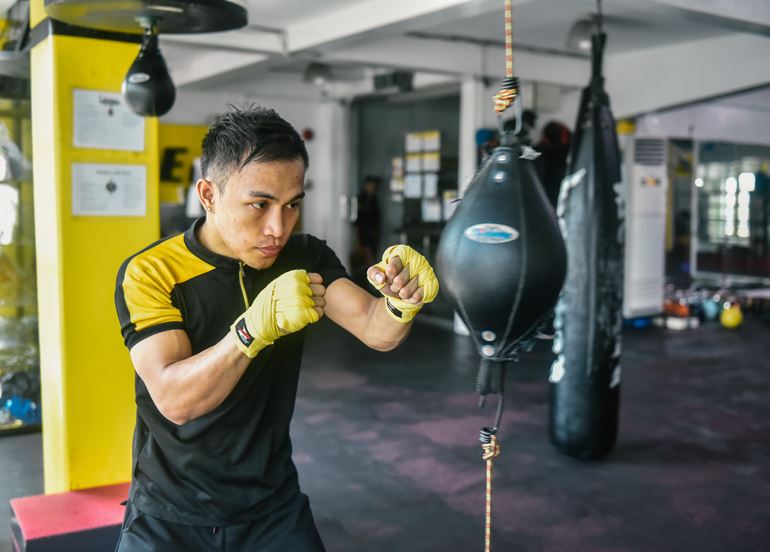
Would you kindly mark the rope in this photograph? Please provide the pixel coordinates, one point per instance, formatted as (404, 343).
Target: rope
(510, 86)
(490, 451)
(509, 38)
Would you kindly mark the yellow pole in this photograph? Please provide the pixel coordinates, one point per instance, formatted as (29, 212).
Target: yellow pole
(86, 376)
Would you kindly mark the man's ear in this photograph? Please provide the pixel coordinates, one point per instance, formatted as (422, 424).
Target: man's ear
(207, 191)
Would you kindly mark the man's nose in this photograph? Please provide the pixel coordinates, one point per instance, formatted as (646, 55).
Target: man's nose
(274, 225)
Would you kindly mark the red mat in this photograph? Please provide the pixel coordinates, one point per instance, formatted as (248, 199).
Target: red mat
(45, 516)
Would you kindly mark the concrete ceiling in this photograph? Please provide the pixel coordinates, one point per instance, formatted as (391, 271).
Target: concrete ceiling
(283, 13)
(630, 24)
(361, 37)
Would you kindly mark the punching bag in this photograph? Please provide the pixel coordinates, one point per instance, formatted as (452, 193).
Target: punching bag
(501, 258)
(585, 377)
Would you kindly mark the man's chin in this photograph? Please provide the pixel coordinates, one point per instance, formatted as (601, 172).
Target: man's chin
(259, 261)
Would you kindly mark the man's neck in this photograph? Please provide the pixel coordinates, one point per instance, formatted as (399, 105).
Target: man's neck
(209, 238)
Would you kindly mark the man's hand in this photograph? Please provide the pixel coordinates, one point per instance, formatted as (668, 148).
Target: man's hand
(406, 279)
(288, 304)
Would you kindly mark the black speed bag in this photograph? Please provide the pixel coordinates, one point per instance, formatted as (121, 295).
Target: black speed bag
(501, 257)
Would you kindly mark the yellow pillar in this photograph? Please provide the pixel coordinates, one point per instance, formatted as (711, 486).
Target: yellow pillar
(86, 375)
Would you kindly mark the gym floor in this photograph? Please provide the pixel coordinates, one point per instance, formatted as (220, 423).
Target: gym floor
(386, 445)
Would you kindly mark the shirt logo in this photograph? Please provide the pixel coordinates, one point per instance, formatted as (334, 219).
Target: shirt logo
(490, 232)
(243, 333)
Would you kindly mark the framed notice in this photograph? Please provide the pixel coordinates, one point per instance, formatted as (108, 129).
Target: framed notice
(430, 184)
(104, 121)
(109, 190)
(431, 210)
(413, 185)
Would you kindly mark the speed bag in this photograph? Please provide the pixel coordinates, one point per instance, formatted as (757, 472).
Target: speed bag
(501, 258)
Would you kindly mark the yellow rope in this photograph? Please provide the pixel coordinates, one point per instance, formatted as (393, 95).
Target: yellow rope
(508, 38)
(504, 99)
(491, 451)
(507, 95)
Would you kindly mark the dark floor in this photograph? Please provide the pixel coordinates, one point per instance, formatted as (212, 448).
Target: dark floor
(386, 445)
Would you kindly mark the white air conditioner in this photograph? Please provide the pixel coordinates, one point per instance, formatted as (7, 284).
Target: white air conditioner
(646, 187)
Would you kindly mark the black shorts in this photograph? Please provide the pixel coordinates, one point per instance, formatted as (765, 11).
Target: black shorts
(292, 531)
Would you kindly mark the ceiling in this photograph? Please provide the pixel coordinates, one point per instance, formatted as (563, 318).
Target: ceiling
(361, 37)
(630, 24)
(282, 13)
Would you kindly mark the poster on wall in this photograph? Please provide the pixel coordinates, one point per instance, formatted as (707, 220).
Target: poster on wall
(109, 190)
(102, 120)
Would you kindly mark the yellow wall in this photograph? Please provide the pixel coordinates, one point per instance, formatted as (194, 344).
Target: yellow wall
(182, 143)
(87, 378)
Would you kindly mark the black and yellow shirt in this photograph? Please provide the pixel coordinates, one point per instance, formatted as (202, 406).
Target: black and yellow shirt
(234, 463)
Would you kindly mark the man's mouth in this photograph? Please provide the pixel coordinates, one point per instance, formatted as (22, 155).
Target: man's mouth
(270, 251)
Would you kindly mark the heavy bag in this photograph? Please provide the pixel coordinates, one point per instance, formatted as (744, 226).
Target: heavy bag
(501, 258)
(585, 377)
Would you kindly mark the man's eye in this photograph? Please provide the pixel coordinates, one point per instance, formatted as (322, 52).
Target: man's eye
(294, 205)
(259, 204)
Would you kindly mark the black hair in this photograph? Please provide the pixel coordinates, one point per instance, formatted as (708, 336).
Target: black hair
(248, 134)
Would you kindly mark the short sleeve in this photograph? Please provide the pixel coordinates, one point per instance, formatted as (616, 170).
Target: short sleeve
(327, 264)
(143, 301)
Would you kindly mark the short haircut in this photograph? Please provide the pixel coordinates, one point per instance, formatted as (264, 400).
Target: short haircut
(244, 135)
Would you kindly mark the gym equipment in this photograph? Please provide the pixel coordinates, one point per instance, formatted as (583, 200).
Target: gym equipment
(731, 316)
(501, 259)
(148, 88)
(710, 308)
(585, 377)
(83, 520)
(501, 256)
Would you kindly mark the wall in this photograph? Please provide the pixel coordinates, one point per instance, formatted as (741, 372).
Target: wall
(382, 124)
(179, 146)
(329, 151)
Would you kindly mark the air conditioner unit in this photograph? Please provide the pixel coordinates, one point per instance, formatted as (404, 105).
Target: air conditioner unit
(646, 187)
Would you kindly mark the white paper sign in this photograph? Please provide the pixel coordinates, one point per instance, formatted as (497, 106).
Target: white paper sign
(104, 121)
(413, 185)
(109, 190)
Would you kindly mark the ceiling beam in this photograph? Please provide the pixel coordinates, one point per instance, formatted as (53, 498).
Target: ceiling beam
(751, 16)
(464, 60)
(649, 80)
(190, 65)
(366, 21)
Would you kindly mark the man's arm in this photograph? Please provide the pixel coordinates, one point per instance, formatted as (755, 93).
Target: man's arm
(364, 316)
(184, 386)
(383, 323)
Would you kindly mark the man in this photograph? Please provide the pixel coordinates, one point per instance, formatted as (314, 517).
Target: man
(368, 218)
(214, 319)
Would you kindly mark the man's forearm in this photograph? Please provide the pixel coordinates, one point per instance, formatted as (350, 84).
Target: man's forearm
(197, 385)
(383, 333)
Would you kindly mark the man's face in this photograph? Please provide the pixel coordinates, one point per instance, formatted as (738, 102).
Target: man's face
(258, 210)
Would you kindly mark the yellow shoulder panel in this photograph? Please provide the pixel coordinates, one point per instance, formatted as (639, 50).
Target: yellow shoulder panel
(151, 276)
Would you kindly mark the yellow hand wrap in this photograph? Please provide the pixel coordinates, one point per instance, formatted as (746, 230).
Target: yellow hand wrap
(418, 267)
(286, 305)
